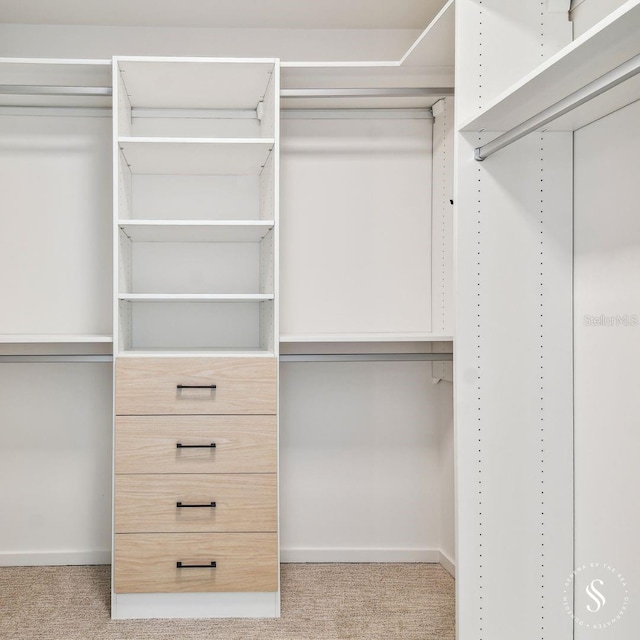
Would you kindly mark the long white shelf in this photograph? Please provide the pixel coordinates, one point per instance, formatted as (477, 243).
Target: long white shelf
(196, 297)
(196, 230)
(54, 338)
(367, 337)
(607, 45)
(195, 156)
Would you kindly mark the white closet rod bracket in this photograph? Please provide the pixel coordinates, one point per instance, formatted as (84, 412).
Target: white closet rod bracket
(616, 76)
(20, 359)
(53, 90)
(366, 357)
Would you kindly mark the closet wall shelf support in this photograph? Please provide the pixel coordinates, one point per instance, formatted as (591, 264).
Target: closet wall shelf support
(53, 90)
(366, 357)
(604, 83)
(55, 359)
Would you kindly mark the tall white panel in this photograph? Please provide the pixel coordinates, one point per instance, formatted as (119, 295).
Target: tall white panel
(513, 369)
(514, 389)
(607, 352)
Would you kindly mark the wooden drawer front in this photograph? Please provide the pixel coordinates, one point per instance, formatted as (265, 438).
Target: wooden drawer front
(146, 562)
(148, 503)
(150, 386)
(244, 444)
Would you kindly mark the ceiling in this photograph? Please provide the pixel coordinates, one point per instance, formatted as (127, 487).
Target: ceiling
(290, 14)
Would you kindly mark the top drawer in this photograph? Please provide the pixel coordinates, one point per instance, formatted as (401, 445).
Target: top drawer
(157, 386)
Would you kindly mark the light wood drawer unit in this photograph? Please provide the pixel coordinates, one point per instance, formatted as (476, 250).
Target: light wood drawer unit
(149, 444)
(152, 386)
(147, 563)
(195, 503)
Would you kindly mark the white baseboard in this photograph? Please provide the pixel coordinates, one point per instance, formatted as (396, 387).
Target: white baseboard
(448, 563)
(359, 555)
(129, 606)
(45, 558)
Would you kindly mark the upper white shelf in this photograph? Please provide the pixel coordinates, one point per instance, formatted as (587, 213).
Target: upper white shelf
(196, 230)
(54, 338)
(607, 45)
(195, 83)
(196, 156)
(436, 44)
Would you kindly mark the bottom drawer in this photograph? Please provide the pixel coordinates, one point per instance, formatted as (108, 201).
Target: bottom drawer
(149, 563)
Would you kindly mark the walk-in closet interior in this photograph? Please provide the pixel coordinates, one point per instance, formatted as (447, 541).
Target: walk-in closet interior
(247, 254)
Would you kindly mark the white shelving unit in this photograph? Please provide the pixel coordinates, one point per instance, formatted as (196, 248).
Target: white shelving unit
(196, 245)
(197, 215)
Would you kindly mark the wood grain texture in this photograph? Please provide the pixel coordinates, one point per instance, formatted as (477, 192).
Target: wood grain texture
(146, 563)
(244, 502)
(244, 444)
(148, 386)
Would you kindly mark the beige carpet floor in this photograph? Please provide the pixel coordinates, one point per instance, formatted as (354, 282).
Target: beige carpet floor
(319, 602)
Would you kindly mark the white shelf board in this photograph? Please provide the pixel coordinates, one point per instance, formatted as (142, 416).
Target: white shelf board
(196, 297)
(607, 45)
(196, 156)
(195, 83)
(436, 44)
(367, 337)
(203, 352)
(54, 338)
(196, 230)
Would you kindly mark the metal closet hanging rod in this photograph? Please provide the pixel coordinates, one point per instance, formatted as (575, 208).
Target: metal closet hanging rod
(54, 359)
(54, 90)
(373, 92)
(597, 87)
(366, 357)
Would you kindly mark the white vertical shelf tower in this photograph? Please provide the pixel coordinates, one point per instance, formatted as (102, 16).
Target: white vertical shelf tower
(196, 162)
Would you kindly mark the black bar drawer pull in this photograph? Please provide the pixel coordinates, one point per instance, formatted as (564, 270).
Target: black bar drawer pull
(181, 505)
(196, 386)
(179, 445)
(211, 565)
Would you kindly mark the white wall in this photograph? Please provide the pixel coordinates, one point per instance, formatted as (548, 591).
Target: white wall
(55, 463)
(55, 200)
(355, 226)
(607, 352)
(360, 461)
(586, 13)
